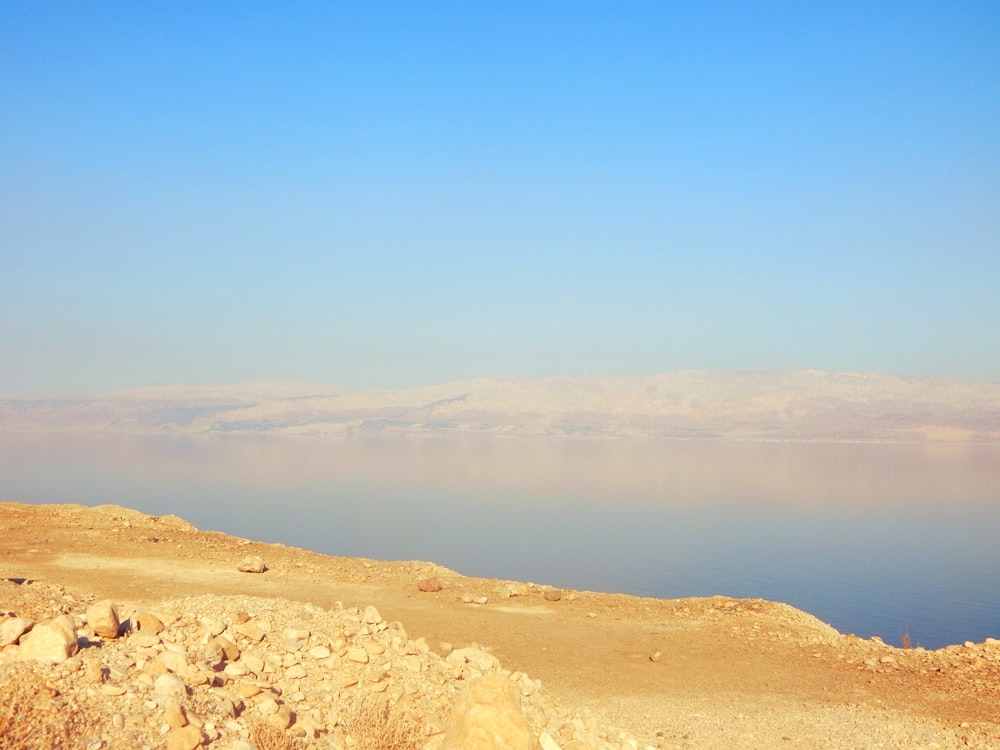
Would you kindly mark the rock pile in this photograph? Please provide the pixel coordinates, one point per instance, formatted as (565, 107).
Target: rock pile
(235, 673)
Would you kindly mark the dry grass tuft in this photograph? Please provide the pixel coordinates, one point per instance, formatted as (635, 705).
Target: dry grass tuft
(28, 720)
(378, 724)
(266, 736)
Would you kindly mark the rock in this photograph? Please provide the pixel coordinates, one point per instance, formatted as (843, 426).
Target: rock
(510, 590)
(481, 660)
(487, 716)
(553, 595)
(146, 622)
(52, 642)
(185, 738)
(250, 630)
(103, 619)
(282, 718)
(547, 743)
(357, 654)
(656, 655)
(371, 616)
(251, 564)
(228, 649)
(13, 629)
(430, 585)
(145, 640)
(172, 661)
(174, 715)
(168, 684)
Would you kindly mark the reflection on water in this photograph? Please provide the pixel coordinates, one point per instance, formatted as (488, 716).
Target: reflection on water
(875, 539)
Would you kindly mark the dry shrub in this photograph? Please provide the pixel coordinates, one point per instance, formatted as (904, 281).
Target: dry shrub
(266, 736)
(378, 724)
(28, 720)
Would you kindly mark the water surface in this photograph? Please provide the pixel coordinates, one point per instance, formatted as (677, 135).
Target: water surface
(874, 539)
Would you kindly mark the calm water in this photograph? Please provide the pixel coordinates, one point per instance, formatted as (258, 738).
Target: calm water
(876, 540)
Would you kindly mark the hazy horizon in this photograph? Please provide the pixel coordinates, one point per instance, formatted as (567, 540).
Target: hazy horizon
(386, 195)
(320, 387)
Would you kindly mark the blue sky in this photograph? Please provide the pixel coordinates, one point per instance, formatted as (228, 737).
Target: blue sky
(389, 194)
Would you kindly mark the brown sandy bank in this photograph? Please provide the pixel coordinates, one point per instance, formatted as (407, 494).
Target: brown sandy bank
(729, 673)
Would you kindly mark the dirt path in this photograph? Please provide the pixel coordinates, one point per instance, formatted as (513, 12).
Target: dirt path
(729, 673)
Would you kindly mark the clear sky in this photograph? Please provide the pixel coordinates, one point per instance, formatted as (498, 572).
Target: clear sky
(385, 194)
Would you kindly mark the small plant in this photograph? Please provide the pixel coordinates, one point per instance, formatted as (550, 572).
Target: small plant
(265, 736)
(378, 724)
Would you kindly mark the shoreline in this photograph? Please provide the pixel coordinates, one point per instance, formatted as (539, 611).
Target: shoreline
(785, 672)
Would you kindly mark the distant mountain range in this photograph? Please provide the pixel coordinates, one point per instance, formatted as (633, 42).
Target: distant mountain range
(803, 405)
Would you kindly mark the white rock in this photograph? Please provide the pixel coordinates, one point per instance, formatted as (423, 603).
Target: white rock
(13, 629)
(481, 660)
(252, 564)
(168, 684)
(52, 642)
(319, 652)
(102, 617)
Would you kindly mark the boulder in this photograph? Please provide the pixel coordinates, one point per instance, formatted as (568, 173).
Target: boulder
(252, 564)
(147, 622)
(53, 641)
(103, 618)
(14, 628)
(429, 585)
(487, 716)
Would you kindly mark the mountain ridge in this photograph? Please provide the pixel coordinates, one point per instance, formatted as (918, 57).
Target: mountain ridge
(688, 404)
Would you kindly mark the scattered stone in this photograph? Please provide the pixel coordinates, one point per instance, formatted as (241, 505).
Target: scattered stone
(481, 660)
(510, 590)
(252, 564)
(103, 619)
(371, 616)
(146, 622)
(175, 716)
(430, 585)
(357, 654)
(14, 628)
(656, 655)
(185, 738)
(250, 630)
(552, 595)
(51, 642)
(168, 684)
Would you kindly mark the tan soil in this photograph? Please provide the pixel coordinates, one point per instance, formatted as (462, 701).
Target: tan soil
(733, 673)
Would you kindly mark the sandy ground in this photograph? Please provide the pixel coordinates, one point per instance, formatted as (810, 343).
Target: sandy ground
(729, 673)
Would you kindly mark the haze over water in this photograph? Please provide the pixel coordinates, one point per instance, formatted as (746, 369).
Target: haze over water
(874, 539)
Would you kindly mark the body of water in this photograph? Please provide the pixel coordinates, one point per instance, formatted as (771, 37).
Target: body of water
(874, 539)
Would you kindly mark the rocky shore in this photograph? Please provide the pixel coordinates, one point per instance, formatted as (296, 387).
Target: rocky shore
(119, 630)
